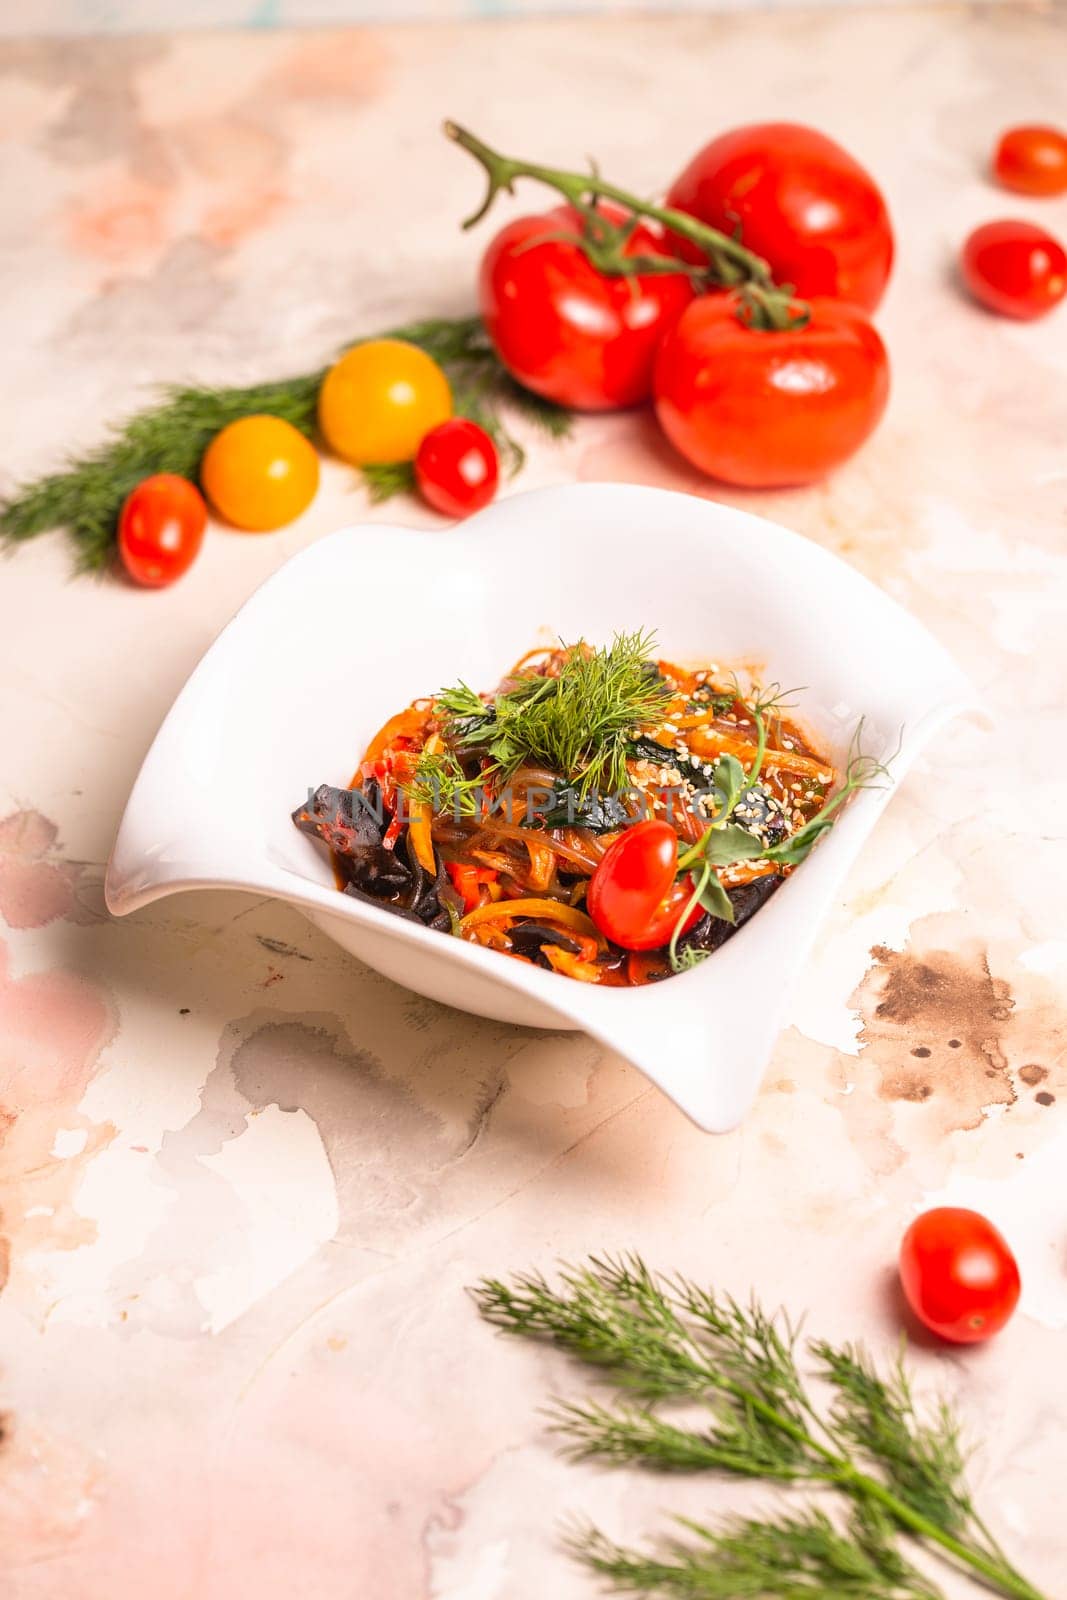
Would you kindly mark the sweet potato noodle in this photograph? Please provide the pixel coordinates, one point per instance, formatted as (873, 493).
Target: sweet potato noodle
(485, 816)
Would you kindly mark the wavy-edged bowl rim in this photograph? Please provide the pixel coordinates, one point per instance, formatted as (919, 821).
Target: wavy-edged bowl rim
(678, 1032)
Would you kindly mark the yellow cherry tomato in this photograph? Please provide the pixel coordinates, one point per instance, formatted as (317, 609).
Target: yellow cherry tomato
(381, 399)
(259, 473)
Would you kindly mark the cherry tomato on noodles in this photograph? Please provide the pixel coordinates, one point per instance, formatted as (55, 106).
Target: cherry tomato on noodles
(632, 878)
(799, 200)
(161, 529)
(1032, 160)
(565, 330)
(769, 408)
(1015, 268)
(457, 468)
(632, 895)
(958, 1274)
(663, 921)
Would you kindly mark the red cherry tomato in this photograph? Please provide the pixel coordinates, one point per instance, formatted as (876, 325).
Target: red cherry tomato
(567, 331)
(631, 879)
(632, 896)
(161, 529)
(456, 467)
(800, 201)
(768, 409)
(1032, 160)
(958, 1274)
(664, 919)
(1015, 268)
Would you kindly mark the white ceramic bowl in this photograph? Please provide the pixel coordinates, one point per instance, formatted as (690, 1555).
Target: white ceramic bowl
(370, 618)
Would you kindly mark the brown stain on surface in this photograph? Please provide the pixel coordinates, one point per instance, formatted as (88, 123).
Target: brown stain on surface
(956, 1034)
(932, 1026)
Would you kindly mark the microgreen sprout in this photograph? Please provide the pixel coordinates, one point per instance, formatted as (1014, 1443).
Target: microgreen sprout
(723, 844)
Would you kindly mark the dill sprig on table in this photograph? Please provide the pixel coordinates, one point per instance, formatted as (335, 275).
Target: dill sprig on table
(86, 496)
(789, 1557)
(899, 1470)
(578, 724)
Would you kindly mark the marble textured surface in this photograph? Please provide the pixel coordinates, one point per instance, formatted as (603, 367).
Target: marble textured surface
(150, 16)
(246, 1181)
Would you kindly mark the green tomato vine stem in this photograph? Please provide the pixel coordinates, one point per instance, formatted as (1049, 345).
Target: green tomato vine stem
(764, 304)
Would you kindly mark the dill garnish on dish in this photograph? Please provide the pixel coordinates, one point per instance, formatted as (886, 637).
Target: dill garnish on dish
(578, 721)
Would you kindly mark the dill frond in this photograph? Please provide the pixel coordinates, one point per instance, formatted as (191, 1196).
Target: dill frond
(578, 724)
(787, 1557)
(896, 1468)
(631, 1435)
(877, 1418)
(388, 478)
(440, 782)
(553, 420)
(86, 495)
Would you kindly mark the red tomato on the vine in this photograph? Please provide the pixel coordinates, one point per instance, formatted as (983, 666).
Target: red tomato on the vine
(1015, 268)
(567, 331)
(161, 529)
(632, 895)
(799, 200)
(456, 468)
(1032, 160)
(768, 409)
(958, 1274)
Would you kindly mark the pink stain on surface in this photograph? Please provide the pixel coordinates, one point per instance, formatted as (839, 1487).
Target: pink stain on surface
(236, 162)
(230, 220)
(53, 1027)
(230, 149)
(342, 66)
(35, 886)
(48, 1492)
(125, 224)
